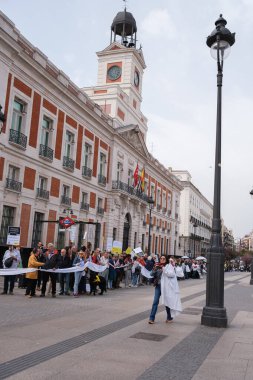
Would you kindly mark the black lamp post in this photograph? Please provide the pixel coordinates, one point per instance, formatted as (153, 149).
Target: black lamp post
(194, 242)
(214, 313)
(2, 119)
(251, 265)
(151, 204)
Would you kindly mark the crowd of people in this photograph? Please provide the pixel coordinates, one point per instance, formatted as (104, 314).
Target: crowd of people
(120, 270)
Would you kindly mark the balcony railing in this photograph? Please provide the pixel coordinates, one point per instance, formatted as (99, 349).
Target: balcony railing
(100, 211)
(86, 172)
(84, 206)
(158, 207)
(68, 163)
(46, 152)
(11, 184)
(118, 185)
(101, 179)
(164, 210)
(65, 200)
(18, 138)
(41, 193)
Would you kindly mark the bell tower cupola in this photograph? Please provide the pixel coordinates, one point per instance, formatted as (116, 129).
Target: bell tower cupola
(124, 27)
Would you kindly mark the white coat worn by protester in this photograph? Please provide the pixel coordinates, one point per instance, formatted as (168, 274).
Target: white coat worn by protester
(170, 290)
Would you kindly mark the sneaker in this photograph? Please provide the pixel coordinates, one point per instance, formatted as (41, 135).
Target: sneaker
(75, 295)
(169, 320)
(60, 293)
(30, 297)
(4, 293)
(67, 294)
(151, 322)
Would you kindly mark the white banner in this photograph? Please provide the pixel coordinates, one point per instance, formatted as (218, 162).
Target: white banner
(15, 272)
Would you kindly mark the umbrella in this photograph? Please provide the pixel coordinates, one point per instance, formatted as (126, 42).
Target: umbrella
(200, 258)
(184, 257)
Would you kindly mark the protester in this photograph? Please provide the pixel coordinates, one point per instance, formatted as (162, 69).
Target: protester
(33, 276)
(165, 282)
(80, 260)
(52, 262)
(64, 262)
(11, 260)
(136, 270)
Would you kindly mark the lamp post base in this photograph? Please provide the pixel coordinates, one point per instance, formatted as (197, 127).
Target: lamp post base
(214, 317)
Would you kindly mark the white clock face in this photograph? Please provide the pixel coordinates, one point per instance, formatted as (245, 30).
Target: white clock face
(136, 78)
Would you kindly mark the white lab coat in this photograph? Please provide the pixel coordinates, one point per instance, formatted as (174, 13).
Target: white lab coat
(170, 294)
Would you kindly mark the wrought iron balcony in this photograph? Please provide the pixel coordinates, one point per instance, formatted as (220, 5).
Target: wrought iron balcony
(100, 211)
(11, 184)
(46, 152)
(158, 207)
(164, 210)
(68, 163)
(18, 138)
(84, 206)
(118, 185)
(65, 200)
(86, 172)
(101, 179)
(41, 193)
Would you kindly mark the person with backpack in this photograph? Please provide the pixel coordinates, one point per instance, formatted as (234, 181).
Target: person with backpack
(11, 260)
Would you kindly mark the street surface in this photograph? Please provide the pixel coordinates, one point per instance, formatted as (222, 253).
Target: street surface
(108, 337)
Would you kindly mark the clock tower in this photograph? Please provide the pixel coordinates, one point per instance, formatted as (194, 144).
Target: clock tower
(120, 73)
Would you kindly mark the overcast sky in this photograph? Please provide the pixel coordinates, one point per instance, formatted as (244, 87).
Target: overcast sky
(179, 86)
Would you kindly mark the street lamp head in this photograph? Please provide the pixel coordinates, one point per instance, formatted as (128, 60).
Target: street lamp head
(151, 201)
(220, 40)
(251, 193)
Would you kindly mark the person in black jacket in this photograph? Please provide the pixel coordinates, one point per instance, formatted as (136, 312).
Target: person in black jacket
(52, 262)
(64, 262)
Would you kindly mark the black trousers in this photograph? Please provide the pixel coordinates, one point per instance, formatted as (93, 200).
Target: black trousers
(46, 276)
(9, 280)
(31, 285)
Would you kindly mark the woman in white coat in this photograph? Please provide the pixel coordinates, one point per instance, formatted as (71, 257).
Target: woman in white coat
(166, 286)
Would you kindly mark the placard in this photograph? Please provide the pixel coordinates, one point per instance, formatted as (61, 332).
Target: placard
(13, 237)
(117, 247)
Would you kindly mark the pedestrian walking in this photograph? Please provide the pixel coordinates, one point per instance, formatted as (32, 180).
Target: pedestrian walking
(166, 286)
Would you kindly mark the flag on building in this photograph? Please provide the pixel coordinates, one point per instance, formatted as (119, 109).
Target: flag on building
(142, 180)
(136, 175)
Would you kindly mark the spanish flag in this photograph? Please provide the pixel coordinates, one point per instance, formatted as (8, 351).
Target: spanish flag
(142, 179)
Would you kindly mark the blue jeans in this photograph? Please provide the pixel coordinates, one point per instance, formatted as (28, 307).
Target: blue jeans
(155, 304)
(78, 276)
(135, 277)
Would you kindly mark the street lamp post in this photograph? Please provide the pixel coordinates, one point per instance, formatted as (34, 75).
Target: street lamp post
(251, 265)
(151, 204)
(214, 313)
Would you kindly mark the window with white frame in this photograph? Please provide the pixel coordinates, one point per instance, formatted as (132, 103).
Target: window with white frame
(152, 191)
(102, 164)
(69, 143)
(42, 183)
(13, 173)
(47, 128)
(65, 190)
(84, 197)
(87, 155)
(18, 115)
(130, 177)
(119, 171)
(158, 197)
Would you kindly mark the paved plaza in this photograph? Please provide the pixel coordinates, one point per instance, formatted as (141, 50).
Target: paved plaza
(108, 337)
